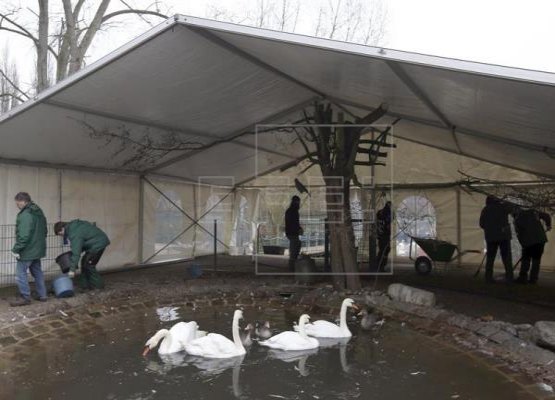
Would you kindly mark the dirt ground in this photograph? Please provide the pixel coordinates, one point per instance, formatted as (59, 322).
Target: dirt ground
(455, 289)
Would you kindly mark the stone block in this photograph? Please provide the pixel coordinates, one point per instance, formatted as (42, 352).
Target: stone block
(408, 294)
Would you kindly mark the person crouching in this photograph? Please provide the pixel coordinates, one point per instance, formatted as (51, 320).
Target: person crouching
(84, 237)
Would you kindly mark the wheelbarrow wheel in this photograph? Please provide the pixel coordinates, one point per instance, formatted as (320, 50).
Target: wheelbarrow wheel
(423, 265)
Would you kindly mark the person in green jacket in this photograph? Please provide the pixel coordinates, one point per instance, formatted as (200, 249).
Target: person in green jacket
(29, 248)
(84, 237)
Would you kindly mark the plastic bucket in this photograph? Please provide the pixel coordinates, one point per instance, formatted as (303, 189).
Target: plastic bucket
(64, 261)
(194, 271)
(63, 286)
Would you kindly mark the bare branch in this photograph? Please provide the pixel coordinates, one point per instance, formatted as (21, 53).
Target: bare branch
(7, 78)
(132, 11)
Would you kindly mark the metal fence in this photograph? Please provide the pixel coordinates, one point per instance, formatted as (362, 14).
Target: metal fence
(313, 240)
(54, 247)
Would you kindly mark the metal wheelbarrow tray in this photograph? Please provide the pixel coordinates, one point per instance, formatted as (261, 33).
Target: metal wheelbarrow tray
(436, 251)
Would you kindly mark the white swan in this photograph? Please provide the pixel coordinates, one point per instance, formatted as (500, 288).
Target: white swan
(290, 340)
(326, 329)
(215, 345)
(174, 339)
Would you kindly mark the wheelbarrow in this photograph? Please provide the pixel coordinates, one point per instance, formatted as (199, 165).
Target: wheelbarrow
(437, 251)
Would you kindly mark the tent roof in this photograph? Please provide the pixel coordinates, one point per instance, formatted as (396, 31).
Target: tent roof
(208, 82)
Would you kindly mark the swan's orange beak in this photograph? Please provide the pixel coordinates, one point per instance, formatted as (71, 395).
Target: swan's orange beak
(145, 351)
(356, 307)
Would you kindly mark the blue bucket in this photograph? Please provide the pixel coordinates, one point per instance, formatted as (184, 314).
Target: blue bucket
(194, 271)
(63, 286)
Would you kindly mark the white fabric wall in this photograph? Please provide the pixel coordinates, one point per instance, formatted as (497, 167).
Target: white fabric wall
(111, 201)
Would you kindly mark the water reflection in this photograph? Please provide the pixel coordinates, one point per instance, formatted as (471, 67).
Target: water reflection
(341, 343)
(299, 356)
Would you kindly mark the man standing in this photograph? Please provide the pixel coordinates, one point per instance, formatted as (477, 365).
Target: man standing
(494, 220)
(293, 230)
(88, 238)
(29, 248)
(383, 219)
(532, 238)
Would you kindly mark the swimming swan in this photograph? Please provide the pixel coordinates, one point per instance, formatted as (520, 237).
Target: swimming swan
(326, 329)
(290, 340)
(174, 339)
(215, 345)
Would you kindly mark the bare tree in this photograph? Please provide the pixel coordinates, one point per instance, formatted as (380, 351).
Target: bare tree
(139, 148)
(10, 92)
(361, 21)
(74, 33)
(333, 144)
(538, 194)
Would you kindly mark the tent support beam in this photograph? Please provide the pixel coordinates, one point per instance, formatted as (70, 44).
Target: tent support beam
(262, 64)
(468, 132)
(151, 124)
(140, 251)
(288, 164)
(424, 98)
(235, 135)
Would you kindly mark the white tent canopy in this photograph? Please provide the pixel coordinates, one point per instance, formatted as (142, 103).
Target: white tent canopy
(76, 148)
(210, 82)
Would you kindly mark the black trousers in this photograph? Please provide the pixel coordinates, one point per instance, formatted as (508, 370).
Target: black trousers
(294, 251)
(531, 254)
(505, 250)
(90, 278)
(384, 247)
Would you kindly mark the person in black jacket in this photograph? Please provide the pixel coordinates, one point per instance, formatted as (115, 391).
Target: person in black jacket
(384, 218)
(293, 230)
(532, 238)
(494, 220)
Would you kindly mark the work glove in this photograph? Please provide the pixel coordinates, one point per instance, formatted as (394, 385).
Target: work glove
(15, 255)
(71, 274)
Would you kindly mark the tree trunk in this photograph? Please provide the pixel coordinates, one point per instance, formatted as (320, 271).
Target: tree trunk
(42, 47)
(343, 252)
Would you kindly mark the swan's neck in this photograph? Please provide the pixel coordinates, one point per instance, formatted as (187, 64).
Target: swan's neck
(343, 316)
(160, 335)
(302, 331)
(235, 332)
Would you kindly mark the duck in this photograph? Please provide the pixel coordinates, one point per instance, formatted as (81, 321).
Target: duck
(263, 331)
(326, 329)
(369, 319)
(173, 339)
(246, 335)
(292, 341)
(215, 345)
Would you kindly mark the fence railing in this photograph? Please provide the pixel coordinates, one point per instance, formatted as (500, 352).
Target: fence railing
(8, 262)
(314, 239)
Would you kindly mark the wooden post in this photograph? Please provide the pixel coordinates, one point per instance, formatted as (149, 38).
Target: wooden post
(215, 245)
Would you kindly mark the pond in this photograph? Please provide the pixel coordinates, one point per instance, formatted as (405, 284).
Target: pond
(105, 362)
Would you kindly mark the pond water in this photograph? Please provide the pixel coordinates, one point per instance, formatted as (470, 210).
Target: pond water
(105, 362)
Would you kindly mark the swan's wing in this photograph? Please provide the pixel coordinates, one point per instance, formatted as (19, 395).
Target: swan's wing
(212, 345)
(290, 341)
(322, 328)
(184, 332)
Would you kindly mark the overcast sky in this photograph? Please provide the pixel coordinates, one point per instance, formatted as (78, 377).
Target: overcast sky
(506, 32)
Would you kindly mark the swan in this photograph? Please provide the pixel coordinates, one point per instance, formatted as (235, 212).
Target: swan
(292, 340)
(263, 331)
(326, 329)
(174, 339)
(246, 334)
(215, 345)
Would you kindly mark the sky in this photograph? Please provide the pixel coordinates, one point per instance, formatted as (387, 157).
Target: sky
(511, 33)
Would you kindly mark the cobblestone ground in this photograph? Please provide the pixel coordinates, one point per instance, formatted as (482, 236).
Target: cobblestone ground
(40, 327)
